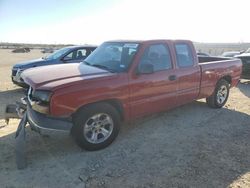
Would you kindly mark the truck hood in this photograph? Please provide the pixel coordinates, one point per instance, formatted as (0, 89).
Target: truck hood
(54, 76)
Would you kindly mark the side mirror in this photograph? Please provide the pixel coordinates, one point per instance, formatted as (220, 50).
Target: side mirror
(66, 58)
(145, 68)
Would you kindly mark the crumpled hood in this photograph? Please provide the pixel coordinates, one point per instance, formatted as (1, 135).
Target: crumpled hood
(29, 64)
(54, 76)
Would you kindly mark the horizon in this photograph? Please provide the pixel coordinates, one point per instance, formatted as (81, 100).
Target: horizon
(92, 22)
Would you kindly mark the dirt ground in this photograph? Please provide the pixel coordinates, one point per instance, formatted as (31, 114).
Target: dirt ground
(191, 146)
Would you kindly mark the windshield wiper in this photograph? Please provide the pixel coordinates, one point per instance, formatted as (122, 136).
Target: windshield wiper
(99, 66)
(103, 67)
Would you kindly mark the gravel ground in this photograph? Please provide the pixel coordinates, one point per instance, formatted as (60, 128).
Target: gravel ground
(191, 146)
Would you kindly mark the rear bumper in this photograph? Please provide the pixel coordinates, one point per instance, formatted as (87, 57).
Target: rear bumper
(40, 121)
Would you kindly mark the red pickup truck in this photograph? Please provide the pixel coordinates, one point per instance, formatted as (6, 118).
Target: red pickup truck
(121, 81)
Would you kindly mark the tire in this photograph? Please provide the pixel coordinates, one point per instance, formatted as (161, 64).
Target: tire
(220, 95)
(96, 126)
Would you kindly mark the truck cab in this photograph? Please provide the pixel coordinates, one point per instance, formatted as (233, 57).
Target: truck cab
(121, 81)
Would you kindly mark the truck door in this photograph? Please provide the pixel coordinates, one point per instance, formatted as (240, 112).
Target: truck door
(187, 72)
(153, 90)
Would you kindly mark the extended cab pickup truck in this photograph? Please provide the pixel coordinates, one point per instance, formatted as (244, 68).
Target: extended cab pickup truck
(121, 81)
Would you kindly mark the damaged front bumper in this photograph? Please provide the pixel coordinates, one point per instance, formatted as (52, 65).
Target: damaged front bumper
(15, 110)
(40, 121)
(37, 122)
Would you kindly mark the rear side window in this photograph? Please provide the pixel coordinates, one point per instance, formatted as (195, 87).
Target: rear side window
(158, 55)
(184, 55)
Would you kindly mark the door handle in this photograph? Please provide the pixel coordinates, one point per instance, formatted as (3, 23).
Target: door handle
(172, 77)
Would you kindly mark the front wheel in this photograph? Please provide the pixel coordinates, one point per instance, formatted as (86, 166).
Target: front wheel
(96, 126)
(220, 95)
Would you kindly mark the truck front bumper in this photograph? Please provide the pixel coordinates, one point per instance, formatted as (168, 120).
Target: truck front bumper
(40, 121)
(36, 120)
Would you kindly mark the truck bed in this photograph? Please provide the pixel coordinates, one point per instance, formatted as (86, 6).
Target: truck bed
(215, 68)
(204, 59)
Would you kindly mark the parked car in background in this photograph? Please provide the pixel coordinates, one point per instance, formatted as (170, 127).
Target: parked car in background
(72, 54)
(47, 50)
(231, 54)
(203, 54)
(121, 81)
(245, 58)
(21, 50)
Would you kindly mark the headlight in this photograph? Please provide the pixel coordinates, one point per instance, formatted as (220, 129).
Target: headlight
(40, 95)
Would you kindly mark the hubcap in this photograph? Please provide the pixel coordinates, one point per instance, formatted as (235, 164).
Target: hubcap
(222, 94)
(98, 128)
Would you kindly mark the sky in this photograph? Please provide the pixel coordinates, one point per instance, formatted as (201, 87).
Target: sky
(95, 21)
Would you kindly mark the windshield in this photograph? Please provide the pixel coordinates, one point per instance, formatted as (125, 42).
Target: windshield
(113, 56)
(57, 54)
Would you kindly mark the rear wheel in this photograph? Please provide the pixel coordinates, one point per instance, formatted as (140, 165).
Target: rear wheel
(96, 126)
(220, 95)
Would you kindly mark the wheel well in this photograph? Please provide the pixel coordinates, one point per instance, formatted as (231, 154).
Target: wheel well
(113, 102)
(117, 105)
(227, 78)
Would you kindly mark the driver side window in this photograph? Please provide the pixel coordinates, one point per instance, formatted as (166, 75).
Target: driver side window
(158, 55)
(76, 54)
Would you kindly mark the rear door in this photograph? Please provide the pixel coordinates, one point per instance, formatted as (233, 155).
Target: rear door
(156, 91)
(187, 72)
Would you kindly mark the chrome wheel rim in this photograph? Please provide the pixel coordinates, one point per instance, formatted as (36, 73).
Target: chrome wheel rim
(222, 94)
(98, 128)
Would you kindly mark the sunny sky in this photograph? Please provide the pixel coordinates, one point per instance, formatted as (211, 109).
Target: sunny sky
(95, 21)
